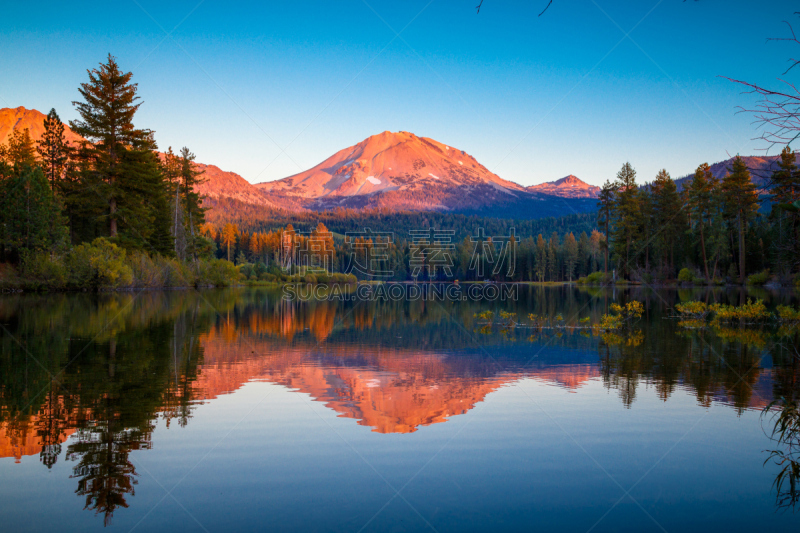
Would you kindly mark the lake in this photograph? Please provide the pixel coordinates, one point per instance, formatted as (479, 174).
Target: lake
(237, 410)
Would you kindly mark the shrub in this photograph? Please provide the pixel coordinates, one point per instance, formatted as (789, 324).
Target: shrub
(753, 311)
(43, 269)
(693, 309)
(595, 278)
(759, 278)
(159, 271)
(99, 265)
(248, 270)
(218, 272)
(686, 275)
(621, 315)
(787, 313)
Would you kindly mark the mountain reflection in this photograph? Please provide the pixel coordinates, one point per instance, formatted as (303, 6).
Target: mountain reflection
(86, 378)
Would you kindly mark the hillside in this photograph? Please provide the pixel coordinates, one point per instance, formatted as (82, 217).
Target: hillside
(761, 167)
(217, 182)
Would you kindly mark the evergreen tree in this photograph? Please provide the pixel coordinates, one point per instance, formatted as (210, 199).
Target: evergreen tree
(53, 150)
(31, 215)
(110, 103)
(20, 150)
(193, 211)
(785, 188)
(541, 258)
(668, 216)
(741, 200)
(700, 197)
(570, 255)
(230, 232)
(584, 255)
(605, 206)
(626, 215)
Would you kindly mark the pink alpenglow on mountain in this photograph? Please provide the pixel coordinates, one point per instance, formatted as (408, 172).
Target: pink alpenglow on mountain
(569, 187)
(397, 170)
(20, 118)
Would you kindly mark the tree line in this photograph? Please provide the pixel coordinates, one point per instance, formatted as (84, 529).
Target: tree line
(111, 193)
(714, 230)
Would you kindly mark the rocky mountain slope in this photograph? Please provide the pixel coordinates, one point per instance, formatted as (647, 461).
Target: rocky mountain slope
(217, 182)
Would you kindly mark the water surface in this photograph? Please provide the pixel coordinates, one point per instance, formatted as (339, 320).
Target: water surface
(237, 410)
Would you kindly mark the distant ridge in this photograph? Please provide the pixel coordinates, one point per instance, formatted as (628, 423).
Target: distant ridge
(218, 183)
(567, 187)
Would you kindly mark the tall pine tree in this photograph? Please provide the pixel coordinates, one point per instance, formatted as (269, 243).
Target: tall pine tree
(741, 201)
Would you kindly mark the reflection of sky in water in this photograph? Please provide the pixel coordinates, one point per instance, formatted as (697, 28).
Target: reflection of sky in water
(297, 429)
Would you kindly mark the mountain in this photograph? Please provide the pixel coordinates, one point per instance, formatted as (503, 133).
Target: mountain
(569, 187)
(402, 171)
(761, 168)
(20, 118)
(218, 183)
(399, 171)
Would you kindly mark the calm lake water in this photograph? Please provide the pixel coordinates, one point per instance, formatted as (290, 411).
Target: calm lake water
(235, 410)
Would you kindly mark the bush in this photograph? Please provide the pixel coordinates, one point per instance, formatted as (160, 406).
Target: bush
(43, 270)
(693, 309)
(218, 272)
(686, 275)
(753, 311)
(266, 276)
(159, 271)
(595, 278)
(787, 313)
(99, 265)
(758, 279)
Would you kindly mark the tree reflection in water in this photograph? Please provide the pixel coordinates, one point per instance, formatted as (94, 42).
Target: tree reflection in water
(108, 367)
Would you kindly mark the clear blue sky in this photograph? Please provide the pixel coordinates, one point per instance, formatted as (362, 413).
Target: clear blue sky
(268, 89)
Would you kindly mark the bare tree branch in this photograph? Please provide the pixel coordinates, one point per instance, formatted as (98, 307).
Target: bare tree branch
(778, 112)
(479, 7)
(545, 8)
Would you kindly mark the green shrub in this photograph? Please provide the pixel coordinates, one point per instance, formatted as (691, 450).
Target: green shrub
(99, 265)
(595, 278)
(759, 278)
(43, 270)
(218, 272)
(686, 275)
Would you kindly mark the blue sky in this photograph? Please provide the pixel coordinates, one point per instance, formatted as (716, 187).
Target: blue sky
(268, 89)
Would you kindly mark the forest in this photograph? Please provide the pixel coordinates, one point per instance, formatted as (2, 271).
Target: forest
(113, 212)
(109, 212)
(710, 231)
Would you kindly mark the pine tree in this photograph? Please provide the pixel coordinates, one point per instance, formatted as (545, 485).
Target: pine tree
(785, 187)
(194, 213)
(668, 216)
(20, 150)
(626, 215)
(700, 196)
(584, 255)
(570, 255)
(741, 200)
(31, 215)
(53, 150)
(229, 234)
(110, 103)
(605, 206)
(541, 258)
